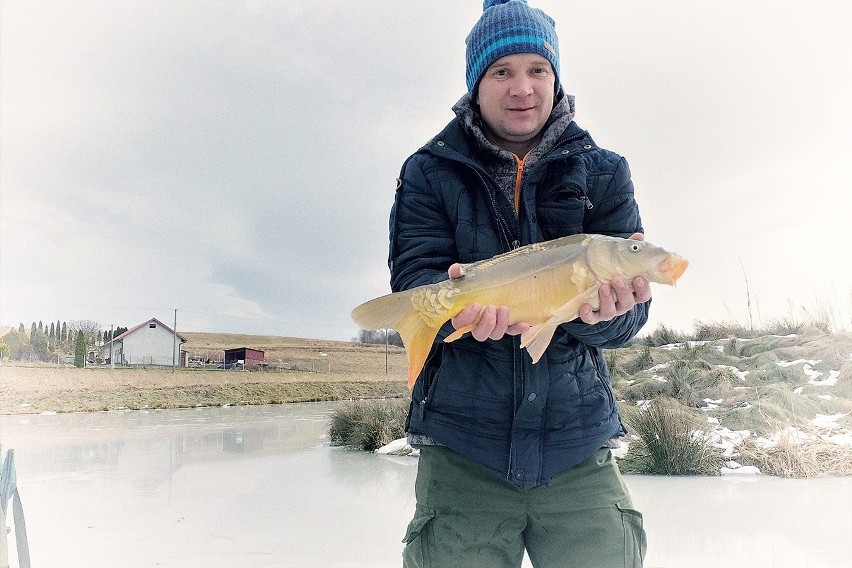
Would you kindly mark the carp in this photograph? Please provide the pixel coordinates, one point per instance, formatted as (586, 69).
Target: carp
(543, 284)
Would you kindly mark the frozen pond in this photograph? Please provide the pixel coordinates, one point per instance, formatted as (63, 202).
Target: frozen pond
(254, 487)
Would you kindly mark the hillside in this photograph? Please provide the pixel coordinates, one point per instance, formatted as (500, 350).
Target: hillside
(780, 403)
(305, 354)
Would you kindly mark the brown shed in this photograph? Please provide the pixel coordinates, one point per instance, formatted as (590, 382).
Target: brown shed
(244, 356)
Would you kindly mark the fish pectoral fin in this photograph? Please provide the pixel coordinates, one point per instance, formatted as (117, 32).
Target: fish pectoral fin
(537, 338)
(461, 331)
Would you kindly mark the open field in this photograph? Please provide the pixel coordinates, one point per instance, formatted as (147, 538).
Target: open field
(328, 370)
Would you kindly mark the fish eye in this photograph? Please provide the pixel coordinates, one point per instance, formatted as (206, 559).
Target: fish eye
(634, 247)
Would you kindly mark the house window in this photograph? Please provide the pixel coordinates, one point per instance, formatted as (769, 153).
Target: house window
(152, 325)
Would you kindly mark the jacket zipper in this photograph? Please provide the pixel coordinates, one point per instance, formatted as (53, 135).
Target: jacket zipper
(505, 231)
(601, 378)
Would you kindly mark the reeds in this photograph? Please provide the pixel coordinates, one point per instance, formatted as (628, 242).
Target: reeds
(792, 458)
(368, 424)
(671, 441)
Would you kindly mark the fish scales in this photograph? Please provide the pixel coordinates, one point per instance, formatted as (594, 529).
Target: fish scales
(543, 284)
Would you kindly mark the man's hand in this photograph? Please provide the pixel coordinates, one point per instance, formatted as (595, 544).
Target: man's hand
(493, 320)
(617, 297)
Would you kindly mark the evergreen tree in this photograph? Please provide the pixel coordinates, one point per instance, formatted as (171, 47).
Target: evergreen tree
(64, 335)
(39, 345)
(80, 350)
(52, 334)
(21, 328)
(40, 326)
(33, 329)
(15, 343)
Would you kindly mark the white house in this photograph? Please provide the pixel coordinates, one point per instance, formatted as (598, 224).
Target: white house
(149, 343)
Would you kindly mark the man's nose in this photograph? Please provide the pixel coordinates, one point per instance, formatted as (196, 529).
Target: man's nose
(521, 86)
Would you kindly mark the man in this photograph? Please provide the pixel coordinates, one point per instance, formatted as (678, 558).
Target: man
(514, 456)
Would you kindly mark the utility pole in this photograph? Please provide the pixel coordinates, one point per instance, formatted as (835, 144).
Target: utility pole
(111, 352)
(174, 343)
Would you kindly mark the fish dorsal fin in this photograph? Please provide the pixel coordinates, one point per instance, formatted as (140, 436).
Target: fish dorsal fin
(473, 267)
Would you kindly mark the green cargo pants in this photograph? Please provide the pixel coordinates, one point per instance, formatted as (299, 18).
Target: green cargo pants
(466, 517)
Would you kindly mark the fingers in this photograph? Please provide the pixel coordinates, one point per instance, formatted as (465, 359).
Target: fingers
(493, 322)
(517, 328)
(616, 298)
(455, 271)
(641, 290)
(467, 316)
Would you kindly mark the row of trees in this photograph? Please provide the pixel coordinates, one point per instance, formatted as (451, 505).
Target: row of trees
(380, 336)
(47, 342)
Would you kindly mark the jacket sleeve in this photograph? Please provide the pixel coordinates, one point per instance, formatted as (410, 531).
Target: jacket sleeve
(422, 243)
(615, 213)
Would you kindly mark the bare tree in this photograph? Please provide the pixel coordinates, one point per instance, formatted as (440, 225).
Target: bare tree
(91, 330)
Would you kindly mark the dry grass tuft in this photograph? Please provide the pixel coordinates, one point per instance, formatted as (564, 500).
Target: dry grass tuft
(789, 458)
(671, 441)
(368, 425)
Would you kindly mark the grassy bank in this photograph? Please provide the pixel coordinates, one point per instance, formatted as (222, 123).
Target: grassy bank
(779, 400)
(725, 398)
(299, 370)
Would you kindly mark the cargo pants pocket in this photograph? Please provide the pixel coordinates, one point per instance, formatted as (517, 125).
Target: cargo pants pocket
(419, 545)
(635, 541)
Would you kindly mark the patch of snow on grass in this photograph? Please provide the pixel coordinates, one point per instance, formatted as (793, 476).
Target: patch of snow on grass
(653, 370)
(829, 381)
(790, 433)
(734, 370)
(726, 439)
(735, 468)
(799, 362)
(398, 447)
(828, 421)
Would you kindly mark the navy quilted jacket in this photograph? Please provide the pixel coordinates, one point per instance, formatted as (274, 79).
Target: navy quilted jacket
(486, 400)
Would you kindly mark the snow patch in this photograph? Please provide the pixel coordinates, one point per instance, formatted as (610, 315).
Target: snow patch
(734, 370)
(829, 381)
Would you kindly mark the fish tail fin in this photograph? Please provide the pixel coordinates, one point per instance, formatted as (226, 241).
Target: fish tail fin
(418, 339)
(383, 312)
(395, 311)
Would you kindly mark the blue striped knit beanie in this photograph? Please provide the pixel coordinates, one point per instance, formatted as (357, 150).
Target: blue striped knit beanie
(507, 27)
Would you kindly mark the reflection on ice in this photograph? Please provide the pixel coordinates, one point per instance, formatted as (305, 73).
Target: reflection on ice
(261, 487)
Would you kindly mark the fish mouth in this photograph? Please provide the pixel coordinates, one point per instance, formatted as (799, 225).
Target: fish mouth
(672, 267)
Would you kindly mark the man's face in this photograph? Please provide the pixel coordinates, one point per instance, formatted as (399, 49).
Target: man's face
(515, 98)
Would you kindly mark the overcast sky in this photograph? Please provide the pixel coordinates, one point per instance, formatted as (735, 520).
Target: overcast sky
(236, 161)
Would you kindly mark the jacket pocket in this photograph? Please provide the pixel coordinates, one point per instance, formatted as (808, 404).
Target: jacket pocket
(602, 375)
(562, 211)
(424, 390)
